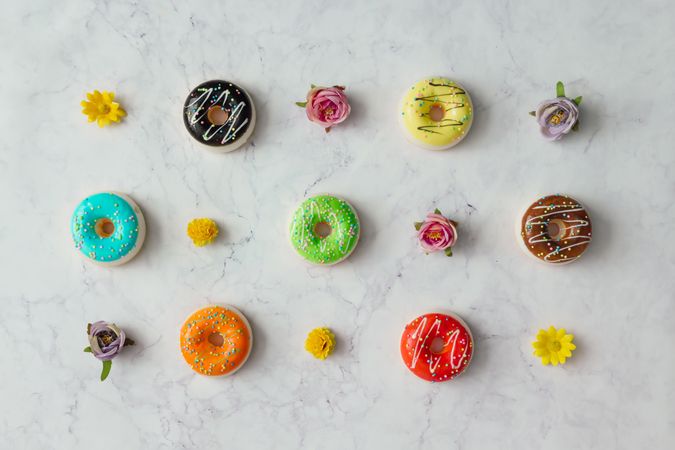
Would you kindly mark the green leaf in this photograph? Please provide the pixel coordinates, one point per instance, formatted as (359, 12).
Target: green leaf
(560, 89)
(418, 225)
(129, 341)
(88, 328)
(437, 211)
(532, 113)
(313, 85)
(106, 369)
(87, 349)
(575, 127)
(448, 251)
(301, 104)
(578, 100)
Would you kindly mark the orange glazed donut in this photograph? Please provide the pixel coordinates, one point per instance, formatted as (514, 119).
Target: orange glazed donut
(216, 340)
(437, 347)
(555, 229)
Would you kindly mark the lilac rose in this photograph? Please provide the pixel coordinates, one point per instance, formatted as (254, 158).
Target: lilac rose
(106, 341)
(557, 117)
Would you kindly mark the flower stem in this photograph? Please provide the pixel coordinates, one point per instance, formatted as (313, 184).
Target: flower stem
(106, 369)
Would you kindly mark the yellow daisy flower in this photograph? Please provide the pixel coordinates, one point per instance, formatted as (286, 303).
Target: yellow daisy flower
(202, 231)
(320, 342)
(553, 346)
(101, 108)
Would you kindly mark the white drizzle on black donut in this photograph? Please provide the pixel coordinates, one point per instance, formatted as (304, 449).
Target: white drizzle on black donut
(234, 100)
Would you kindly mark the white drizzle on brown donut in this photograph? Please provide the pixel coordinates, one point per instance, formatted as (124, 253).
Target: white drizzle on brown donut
(568, 213)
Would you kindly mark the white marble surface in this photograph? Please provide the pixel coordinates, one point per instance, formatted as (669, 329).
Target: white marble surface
(618, 391)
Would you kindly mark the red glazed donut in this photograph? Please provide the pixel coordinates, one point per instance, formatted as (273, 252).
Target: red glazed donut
(437, 347)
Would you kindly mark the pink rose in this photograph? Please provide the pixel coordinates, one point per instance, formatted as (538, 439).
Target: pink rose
(326, 106)
(437, 233)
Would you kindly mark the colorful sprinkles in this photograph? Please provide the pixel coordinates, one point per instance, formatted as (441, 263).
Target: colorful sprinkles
(229, 97)
(572, 223)
(436, 93)
(338, 216)
(198, 348)
(119, 213)
(433, 362)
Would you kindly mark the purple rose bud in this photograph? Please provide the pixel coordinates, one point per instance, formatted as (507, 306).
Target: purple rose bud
(106, 340)
(556, 117)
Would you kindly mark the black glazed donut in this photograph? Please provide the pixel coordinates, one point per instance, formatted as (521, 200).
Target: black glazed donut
(220, 114)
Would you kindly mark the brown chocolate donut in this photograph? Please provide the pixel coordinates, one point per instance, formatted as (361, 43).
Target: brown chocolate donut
(556, 229)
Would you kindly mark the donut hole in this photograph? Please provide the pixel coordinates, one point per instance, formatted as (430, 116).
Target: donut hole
(437, 346)
(437, 112)
(217, 115)
(104, 227)
(323, 229)
(216, 339)
(556, 229)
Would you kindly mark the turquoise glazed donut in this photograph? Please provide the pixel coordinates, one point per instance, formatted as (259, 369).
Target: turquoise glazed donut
(325, 229)
(108, 228)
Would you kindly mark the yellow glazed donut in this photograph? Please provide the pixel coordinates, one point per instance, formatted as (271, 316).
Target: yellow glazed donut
(436, 113)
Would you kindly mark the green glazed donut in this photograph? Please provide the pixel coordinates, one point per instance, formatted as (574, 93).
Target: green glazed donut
(325, 229)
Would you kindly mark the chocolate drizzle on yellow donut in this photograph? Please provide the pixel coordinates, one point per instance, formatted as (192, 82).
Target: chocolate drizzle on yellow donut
(449, 105)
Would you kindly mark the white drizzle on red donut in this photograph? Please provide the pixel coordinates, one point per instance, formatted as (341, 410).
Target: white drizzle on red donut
(436, 347)
(434, 360)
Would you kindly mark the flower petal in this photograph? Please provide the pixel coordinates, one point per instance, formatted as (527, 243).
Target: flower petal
(554, 358)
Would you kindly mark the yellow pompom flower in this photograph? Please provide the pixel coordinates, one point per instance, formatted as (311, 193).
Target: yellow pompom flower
(553, 346)
(202, 231)
(100, 107)
(320, 342)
